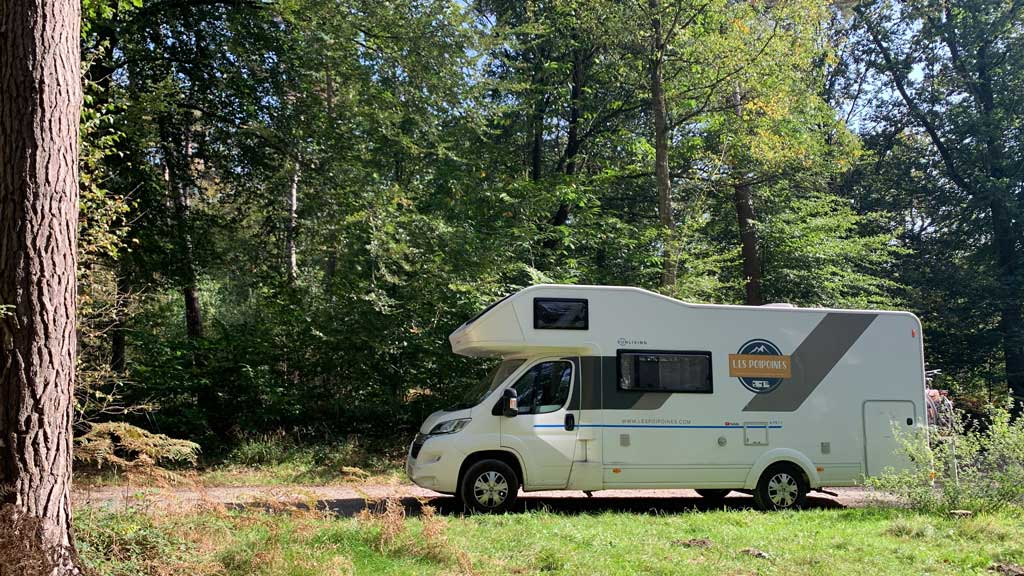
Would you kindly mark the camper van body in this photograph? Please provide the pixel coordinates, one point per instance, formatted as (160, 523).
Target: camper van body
(644, 391)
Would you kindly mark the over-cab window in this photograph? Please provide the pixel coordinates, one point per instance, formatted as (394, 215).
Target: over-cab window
(665, 371)
(544, 387)
(560, 314)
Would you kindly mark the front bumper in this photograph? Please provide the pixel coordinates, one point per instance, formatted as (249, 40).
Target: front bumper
(430, 466)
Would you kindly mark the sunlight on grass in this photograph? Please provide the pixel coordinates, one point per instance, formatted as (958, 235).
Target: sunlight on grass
(860, 541)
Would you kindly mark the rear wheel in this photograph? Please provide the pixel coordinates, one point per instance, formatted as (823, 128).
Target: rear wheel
(489, 486)
(781, 487)
(713, 494)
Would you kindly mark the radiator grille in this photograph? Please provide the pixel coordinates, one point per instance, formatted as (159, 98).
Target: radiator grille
(417, 444)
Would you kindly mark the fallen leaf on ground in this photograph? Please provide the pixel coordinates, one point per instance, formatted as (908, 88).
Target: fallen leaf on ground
(694, 543)
(756, 553)
(353, 471)
(1007, 569)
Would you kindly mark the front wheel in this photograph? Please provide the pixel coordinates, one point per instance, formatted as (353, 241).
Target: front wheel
(489, 486)
(781, 487)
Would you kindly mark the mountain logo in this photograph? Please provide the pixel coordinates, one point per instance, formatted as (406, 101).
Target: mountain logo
(760, 366)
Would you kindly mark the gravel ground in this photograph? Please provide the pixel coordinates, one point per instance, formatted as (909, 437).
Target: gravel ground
(349, 499)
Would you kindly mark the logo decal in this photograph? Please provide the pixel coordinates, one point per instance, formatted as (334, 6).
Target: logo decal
(760, 366)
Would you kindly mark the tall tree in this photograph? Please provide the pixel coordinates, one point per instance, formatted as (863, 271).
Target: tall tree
(39, 116)
(955, 70)
(659, 112)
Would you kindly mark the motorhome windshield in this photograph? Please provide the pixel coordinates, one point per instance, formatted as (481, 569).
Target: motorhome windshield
(482, 389)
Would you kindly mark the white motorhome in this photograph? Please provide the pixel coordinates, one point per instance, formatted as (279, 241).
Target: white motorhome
(605, 387)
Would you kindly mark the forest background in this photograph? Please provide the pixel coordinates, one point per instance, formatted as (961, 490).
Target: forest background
(288, 206)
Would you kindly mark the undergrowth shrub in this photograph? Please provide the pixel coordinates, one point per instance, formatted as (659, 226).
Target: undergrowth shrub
(971, 467)
(281, 448)
(130, 543)
(134, 451)
(386, 528)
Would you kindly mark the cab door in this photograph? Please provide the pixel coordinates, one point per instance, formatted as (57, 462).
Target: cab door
(543, 433)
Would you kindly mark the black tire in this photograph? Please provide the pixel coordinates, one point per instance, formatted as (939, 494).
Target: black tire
(713, 494)
(489, 486)
(781, 487)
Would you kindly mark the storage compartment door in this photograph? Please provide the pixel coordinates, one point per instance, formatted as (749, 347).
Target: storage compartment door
(887, 424)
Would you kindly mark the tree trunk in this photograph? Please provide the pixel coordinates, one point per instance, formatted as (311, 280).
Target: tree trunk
(572, 143)
(1004, 237)
(1011, 323)
(293, 206)
(743, 199)
(174, 167)
(659, 110)
(537, 150)
(193, 312)
(537, 127)
(748, 244)
(39, 113)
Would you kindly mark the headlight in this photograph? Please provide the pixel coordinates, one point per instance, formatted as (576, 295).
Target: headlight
(449, 426)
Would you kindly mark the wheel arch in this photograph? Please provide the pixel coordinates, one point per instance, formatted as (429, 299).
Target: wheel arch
(507, 456)
(787, 455)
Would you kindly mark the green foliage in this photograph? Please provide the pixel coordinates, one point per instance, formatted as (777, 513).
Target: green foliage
(431, 144)
(131, 449)
(980, 466)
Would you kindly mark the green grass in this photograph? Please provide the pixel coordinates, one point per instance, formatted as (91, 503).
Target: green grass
(860, 541)
(277, 459)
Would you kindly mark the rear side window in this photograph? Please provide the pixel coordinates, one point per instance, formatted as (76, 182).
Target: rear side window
(665, 371)
(561, 314)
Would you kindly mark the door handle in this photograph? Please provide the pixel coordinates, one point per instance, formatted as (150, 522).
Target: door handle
(570, 422)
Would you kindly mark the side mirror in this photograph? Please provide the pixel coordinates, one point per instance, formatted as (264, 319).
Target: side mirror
(510, 403)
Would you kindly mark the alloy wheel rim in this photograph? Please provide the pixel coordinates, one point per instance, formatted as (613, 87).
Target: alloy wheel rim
(490, 489)
(782, 490)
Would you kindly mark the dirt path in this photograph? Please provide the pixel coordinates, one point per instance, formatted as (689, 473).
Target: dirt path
(349, 499)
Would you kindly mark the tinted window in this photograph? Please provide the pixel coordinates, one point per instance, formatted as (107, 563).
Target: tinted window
(544, 388)
(560, 314)
(665, 371)
(496, 377)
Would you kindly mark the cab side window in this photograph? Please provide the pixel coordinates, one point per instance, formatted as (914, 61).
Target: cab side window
(544, 387)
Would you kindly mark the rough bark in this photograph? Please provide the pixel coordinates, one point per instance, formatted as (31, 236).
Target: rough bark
(39, 114)
(293, 207)
(662, 177)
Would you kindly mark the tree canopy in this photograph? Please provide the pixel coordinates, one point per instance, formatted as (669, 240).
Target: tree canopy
(287, 206)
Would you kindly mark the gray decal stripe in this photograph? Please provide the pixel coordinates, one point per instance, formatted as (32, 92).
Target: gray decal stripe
(591, 387)
(812, 360)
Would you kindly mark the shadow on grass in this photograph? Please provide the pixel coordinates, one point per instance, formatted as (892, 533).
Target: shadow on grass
(450, 506)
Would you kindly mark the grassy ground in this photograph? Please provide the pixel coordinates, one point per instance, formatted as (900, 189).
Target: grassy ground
(276, 460)
(873, 541)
